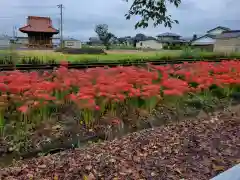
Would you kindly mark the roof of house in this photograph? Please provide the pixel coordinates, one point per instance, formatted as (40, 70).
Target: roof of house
(167, 34)
(206, 35)
(39, 24)
(229, 34)
(69, 39)
(187, 39)
(219, 27)
(166, 41)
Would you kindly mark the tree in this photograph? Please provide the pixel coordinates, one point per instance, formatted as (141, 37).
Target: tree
(103, 34)
(155, 10)
(140, 37)
(194, 37)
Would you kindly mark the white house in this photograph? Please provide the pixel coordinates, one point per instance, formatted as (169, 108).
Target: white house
(152, 44)
(204, 40)
(72, 43)
(4, 42)
(217, 30)
(208, 40)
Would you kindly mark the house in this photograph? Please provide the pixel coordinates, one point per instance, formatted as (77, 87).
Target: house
(228, 41)
(72, 43)
(170, 39)
(4, 42)
(94, 41)
(39, 31)
(20, 40)
(208, 40)
(217, 30)
(149, 43)
(56, 42)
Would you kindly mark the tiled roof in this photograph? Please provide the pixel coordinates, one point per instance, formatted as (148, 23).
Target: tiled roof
(229, 34)
(172, 41)
(167, 34)
(219, 27)
(39, 24)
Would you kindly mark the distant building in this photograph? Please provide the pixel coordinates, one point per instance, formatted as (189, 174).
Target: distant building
(170, 39)
(149, 43)
(228, 41)
(4, 42)
(72, 43)
(208, 40)
(39, 31)
(162, 40)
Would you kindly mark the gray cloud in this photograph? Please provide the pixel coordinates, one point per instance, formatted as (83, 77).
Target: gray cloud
(80, 17)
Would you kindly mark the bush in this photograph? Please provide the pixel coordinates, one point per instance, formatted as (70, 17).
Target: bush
(81, 51)
(8, 57)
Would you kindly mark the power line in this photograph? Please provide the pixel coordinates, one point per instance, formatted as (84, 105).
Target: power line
(35, 6)
(55, 15)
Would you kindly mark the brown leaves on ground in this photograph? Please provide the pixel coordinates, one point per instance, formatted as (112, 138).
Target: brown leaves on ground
(195, 150)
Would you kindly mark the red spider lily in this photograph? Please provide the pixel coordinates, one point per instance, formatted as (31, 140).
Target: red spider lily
(64, 63)
(172, 92)
(23, 109)
(91, 87)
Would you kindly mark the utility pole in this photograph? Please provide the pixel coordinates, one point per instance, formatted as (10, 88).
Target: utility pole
(61, 23)
(13, 31)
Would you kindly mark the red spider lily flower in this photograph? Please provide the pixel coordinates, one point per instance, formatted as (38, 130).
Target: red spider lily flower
(97, 108)
(3, 87)
(23, 109)
(172, 92)
(64, 64)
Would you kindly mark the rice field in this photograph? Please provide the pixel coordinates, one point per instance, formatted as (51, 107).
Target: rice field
(112, 55)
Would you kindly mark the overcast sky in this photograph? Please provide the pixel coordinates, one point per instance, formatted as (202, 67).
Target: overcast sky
(80, 16)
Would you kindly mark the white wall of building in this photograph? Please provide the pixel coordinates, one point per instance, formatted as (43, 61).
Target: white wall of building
(72, 44)
(149, 44)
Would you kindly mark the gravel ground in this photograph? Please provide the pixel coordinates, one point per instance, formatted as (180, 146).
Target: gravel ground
(192, 149)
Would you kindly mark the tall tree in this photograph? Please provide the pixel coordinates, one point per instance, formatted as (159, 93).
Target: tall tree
(103, 34)
(155, 10)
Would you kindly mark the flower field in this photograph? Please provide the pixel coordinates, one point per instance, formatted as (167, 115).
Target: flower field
(34, 105)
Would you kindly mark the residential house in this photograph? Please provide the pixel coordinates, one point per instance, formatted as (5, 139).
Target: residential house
(228, 41)
(170, 39)
(72, 43)
(165, 39)
(149, 43)
(208, 40)
(126, 41)
(95, 41)
(21, 40)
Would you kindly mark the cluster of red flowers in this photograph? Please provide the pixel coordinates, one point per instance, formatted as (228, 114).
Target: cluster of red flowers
(90, 88)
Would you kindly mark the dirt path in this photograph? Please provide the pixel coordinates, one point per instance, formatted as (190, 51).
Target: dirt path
(195, 150)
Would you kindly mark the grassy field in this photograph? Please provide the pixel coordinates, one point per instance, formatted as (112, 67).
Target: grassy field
(30, 56)
(112, 55)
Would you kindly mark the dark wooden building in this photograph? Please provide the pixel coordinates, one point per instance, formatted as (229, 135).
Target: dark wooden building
(40, 31)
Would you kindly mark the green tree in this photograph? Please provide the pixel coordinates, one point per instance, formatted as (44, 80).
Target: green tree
(155, 10)
(104, 35)
(194, 37)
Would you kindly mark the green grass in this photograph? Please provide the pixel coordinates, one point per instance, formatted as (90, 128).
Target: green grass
(41, 56)
(114, 56)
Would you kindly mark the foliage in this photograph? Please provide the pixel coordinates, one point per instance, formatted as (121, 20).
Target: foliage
(194, 37)
(41, 57)
(103, 34)
(152, 10)
(107, 96)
